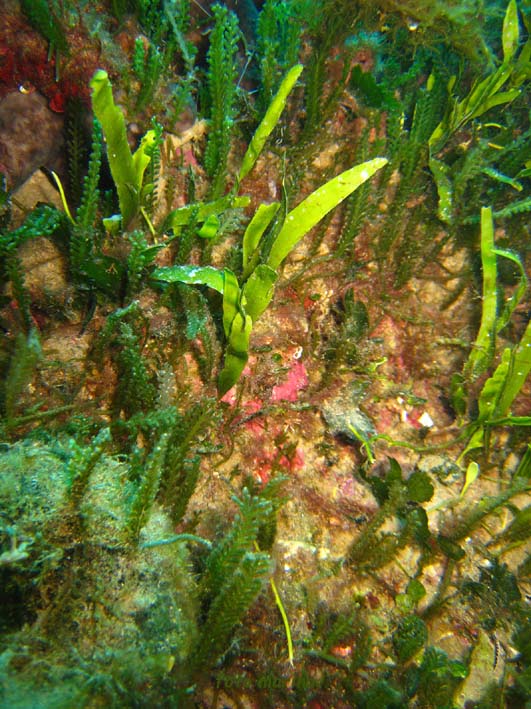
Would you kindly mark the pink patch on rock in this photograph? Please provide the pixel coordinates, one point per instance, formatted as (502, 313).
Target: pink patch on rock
(297, 379)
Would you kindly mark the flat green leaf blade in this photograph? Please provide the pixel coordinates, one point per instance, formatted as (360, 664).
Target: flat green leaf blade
(518, 293)
(519, 368)
(255, 229)
(203, 210)
(511, 32)
(118, 152)
(258, 291)
(269, 121)
(237, 352)
(496, 100)
(444, 189)
(231, 300)
(312, 209)
(483, 350)
(492, 391)
(210, 228)
(191, 275)
(142, 158)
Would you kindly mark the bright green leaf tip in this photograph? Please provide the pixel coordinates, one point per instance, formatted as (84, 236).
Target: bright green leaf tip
(311, 210)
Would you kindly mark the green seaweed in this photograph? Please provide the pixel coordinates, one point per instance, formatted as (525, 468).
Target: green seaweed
(89, 545)
(222, 93)
(277, 46)
(82, 463)
(127, 169)
(483, 96)
(147, 65)
(483, 349)
(409, 637)
(243, 306)
(311, 210)
(43, 16)
(501, 389)
(147, 488)
(26, 355)
(135, 391)
(269, 121)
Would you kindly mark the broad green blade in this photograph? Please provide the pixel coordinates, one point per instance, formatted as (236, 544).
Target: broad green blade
(511, 32)
(269, 121)
(191, 275)
(483, 349)
(312, 209)
(127, 170)
(203, 210)
(258, 291)
(231, 300)
(236, 354)
(255, 230)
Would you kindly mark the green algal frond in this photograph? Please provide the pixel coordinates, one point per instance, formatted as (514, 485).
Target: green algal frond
(269, 121)
(272, 492)
(86, 213)
(190, 305)
(76, 151)
(471, 517)
(181, 463)
(411, 157)
(25, 357)
(277, 46)
(483, 350)
(134, 391)
(500, 391)
(152, 175)
(82, 462)
(312, 209)
(127, 170)
(520, 206)
(357, 206)
(139, 258)
(221, 80)
(138, 62)
(224, 559)
(45, 21)
(178, 14)
(516, 153)
(186, 478)
(83, 234)
(15, 272)
(482, 97)
(315, 82)
(428, 109)
(409, 637)
(267, 46)
(44, 220)
(242, 306)
(148, 65)
(237, 591)
(471, 166)
(151, 16)
(147, 488)
(399, 498)
(119, 8)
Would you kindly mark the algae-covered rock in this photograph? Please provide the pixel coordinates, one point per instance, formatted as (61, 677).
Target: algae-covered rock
(104, 619)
